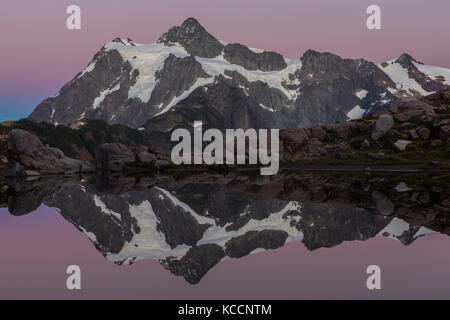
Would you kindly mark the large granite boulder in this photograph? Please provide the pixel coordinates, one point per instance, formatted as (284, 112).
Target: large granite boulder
(32, 154)
(384, 123)
(111, 157)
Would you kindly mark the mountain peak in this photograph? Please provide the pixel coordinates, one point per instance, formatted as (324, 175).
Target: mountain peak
(125, 41)
(406, 60)
(312, 56)
(194, 38)
(192, 23)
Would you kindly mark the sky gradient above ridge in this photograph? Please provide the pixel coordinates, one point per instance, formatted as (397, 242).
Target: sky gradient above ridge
(39, 55)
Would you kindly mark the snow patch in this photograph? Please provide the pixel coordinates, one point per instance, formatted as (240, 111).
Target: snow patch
(400, 77)
(99, 203)
(361, 93)
(103, 95)
(435, 73)
(219, 235)
(147, 59)
(149, 243)
(356, 113)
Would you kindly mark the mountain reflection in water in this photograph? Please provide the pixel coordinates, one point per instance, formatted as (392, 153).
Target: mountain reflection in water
(190, 223)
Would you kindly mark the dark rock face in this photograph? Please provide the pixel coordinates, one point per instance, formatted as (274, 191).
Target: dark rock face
(225, 205)
(78, 205)
(76, 98)
(329, 84)
(34, 155)
(327, 225)
(177, 76)
(196, 263)
(111, 157)
(194, 38)
(177, 224)
(267, 239)
(224, 105)
(265, 61)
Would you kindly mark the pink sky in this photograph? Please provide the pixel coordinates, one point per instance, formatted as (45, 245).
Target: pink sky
(37, 248)
(39, 55)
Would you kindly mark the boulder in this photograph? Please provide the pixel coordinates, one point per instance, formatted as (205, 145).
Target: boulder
(146, 157)
(365, 144)
(436, 143)
(111, 157)
(401, 144)
(340, 129)
(294, 139)
(384, 123)
(318, 133)
(32, 173)
(413, 134)
(161, 163)
(375, 156)
(402, 187)
(35, 156)
(424, 133)
(444, 131)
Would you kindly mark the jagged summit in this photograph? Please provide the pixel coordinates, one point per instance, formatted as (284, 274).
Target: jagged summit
(406, 60)
(124, 41)
(194, 38)
(312, 55)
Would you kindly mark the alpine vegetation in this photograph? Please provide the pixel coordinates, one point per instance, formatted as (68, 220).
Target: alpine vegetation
(233, 143)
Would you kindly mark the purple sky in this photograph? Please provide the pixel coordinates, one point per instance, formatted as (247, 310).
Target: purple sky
(39, 55)
(37, 248)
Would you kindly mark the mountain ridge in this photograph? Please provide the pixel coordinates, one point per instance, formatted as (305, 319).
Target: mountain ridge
(138, 84)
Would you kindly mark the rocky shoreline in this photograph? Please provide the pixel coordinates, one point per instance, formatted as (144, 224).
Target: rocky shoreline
(415, 135)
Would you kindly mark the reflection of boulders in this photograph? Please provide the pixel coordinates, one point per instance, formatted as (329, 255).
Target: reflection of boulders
(15, 170)
(196, 263)
(25, 196)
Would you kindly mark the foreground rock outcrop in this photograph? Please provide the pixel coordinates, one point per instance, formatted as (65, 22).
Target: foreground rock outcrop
(415, 132)
(29, 156)
(115, 157)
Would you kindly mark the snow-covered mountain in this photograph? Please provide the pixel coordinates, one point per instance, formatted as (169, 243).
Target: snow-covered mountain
(190, 75)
